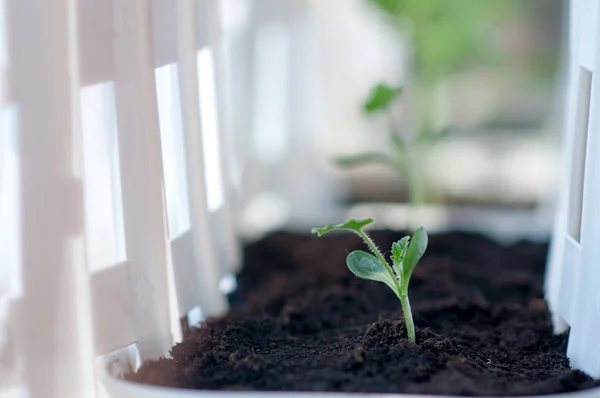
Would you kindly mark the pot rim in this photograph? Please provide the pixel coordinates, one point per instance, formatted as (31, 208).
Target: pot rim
(112, 366)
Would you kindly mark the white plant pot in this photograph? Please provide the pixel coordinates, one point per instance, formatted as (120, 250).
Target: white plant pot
(113, 365)
(501, 224)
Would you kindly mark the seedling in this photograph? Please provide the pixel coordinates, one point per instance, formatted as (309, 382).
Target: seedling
(406, 253)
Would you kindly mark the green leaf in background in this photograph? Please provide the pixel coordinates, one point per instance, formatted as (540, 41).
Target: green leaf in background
(362, 158)
(392, 7)
(448, 35)
(382, 96)
(397, 141)
(431, 135)
(366, 266)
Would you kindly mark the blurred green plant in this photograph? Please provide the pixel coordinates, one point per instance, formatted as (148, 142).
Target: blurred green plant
(403, 153)
(446, 36)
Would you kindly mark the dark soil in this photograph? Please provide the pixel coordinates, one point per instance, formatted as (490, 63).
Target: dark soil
(306, 323)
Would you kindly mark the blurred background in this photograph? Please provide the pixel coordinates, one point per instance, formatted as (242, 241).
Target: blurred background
(482, 77)
(480, 114)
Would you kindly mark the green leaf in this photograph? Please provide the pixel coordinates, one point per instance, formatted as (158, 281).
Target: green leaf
(352, 225)
(381, 98)
(431, 135)
(392, 7)
(416, 248)
(398, 253)
(397, 141)
(366, 266)
(361, 159)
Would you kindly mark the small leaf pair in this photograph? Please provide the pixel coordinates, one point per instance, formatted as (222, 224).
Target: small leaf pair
(406, 253)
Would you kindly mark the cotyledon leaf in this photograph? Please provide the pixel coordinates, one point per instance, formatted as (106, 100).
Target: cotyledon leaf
(366, 266)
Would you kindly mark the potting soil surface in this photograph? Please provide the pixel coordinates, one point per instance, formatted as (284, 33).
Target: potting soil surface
(302, 322)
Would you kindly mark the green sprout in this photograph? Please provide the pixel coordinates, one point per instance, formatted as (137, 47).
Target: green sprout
(406, 253)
